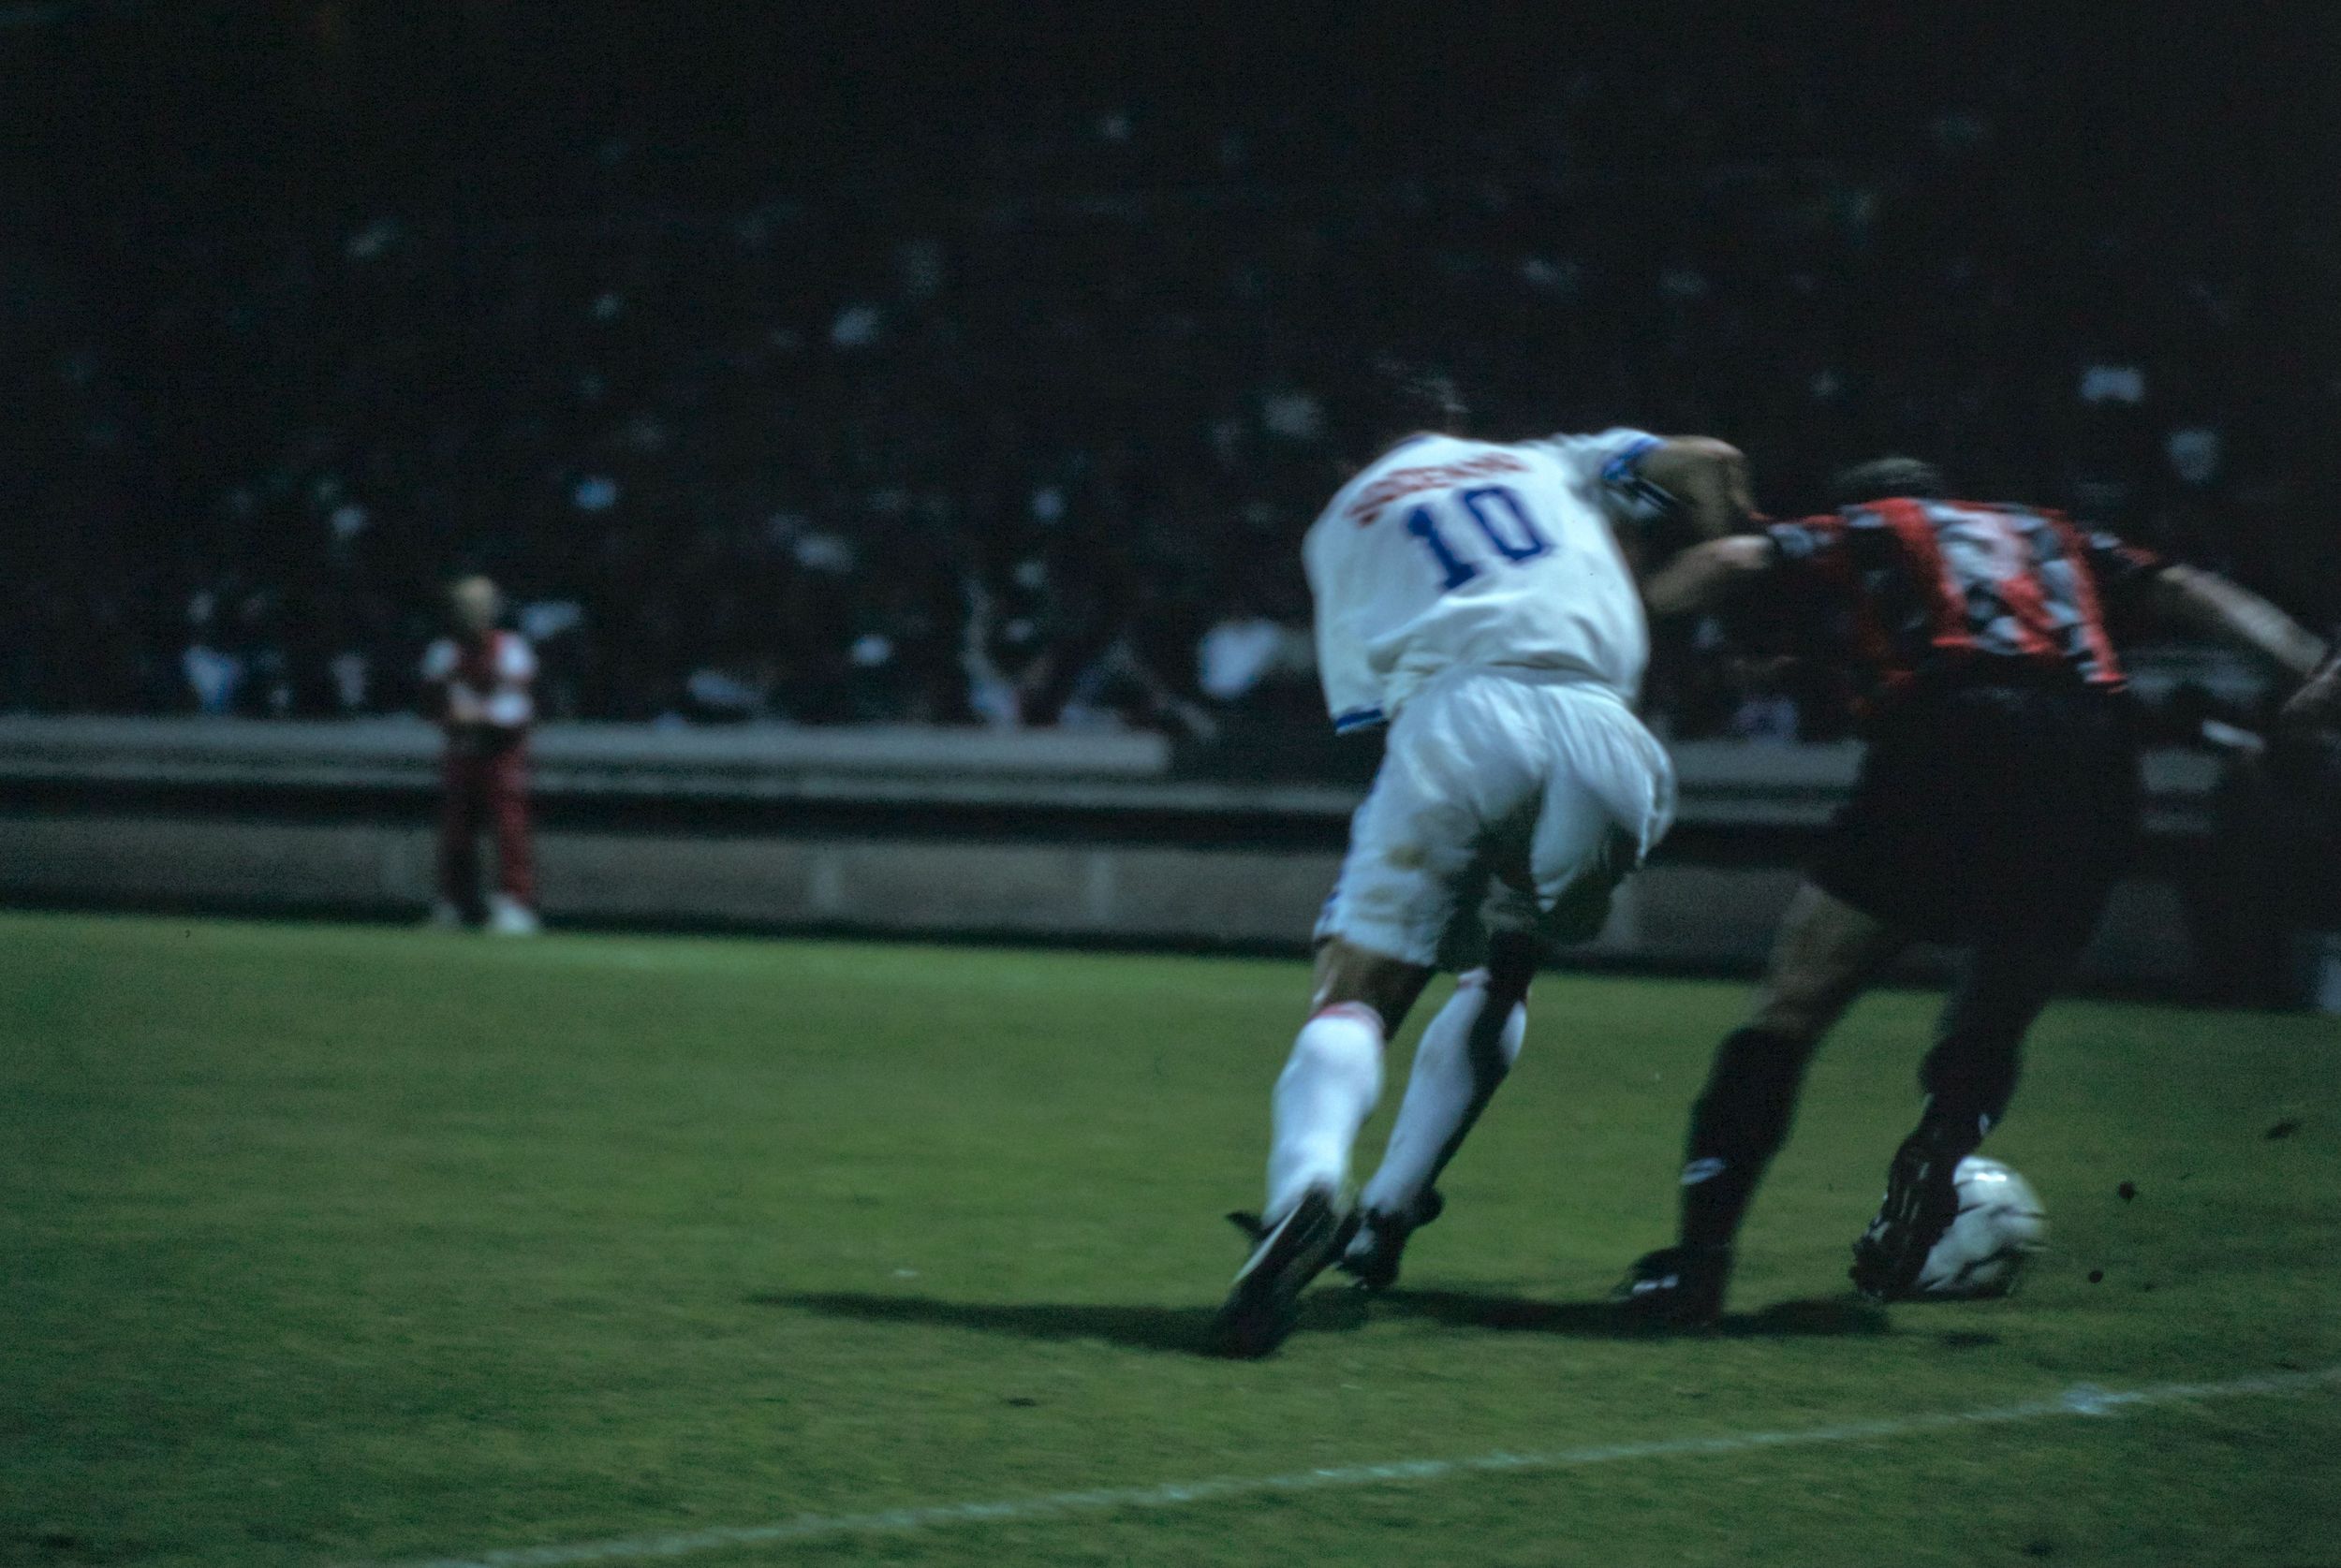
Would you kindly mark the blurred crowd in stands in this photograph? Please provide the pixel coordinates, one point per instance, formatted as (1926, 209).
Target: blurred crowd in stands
(1017, 417)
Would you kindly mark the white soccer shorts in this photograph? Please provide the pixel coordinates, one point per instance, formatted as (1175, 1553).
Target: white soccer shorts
(1504, 803)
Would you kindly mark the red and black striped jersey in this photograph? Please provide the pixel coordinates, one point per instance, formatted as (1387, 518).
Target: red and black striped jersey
(1913, 589)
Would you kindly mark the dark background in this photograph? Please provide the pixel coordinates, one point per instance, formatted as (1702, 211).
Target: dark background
(927, 363)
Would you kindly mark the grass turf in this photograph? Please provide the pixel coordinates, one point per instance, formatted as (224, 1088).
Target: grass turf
(327, 1244)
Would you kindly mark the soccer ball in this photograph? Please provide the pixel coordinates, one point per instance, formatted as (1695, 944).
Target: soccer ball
(1999, 1225)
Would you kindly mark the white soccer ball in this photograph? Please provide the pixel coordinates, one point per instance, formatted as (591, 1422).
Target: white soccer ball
(2000, 1225)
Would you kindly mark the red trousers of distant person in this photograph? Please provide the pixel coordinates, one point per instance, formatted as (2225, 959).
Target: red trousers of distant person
(487, 788)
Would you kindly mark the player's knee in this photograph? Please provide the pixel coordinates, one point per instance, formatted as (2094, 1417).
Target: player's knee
(1802, 1001)
(1795, 1016)
(1351, 975)
(1512, 969)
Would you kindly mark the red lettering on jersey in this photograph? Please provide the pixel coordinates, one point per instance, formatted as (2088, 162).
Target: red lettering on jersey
(1372, 500)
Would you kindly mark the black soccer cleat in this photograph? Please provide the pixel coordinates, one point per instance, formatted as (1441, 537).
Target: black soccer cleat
(1675, 1287)
(1921, 1199)
(1371, 1257)
(1265, 1304)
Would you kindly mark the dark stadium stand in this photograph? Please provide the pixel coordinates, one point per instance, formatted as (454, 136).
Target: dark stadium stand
(805, 376)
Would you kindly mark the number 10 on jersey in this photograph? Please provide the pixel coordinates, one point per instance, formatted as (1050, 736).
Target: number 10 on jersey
(1502, 517)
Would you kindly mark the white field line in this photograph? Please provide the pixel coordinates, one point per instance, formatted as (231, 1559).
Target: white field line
(2084, 1399)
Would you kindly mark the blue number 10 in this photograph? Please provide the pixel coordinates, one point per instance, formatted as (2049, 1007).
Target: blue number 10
(1487, 504)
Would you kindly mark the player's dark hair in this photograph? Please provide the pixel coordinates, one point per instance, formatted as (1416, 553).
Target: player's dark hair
(1391, 396)
(1884, 479)
(1418, 396)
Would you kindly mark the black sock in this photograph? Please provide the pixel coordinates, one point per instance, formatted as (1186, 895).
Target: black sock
(1968, 1079)
(1741, 1120)
(1949, 1129)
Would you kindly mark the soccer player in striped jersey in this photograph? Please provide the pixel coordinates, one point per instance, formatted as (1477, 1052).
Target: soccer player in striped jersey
(1995, 807)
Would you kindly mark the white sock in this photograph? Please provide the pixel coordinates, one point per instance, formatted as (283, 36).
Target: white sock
(1323, 1096)
(1445, 1091)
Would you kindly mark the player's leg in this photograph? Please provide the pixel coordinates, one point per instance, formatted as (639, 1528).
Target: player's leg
(1589, 790)
(1456, 767)
(1970, 1075)
(2050, 766)
(1333, 1076)
(1826, 953)
(1968, 1079)
(1413, 856)
(513, 910)
(1465, 1052)
(459, 847)
(1328, 1088)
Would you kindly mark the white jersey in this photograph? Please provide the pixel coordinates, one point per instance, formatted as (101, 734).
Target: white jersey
(1446, 552)
(483, 681)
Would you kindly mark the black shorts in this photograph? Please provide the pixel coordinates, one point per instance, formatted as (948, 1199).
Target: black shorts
(1990, 811)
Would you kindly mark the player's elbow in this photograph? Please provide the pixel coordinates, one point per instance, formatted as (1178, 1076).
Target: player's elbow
(1706, 575)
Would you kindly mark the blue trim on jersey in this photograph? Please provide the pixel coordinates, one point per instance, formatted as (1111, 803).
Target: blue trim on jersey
(1357, 718)
(1620, 468)
(1622, 476)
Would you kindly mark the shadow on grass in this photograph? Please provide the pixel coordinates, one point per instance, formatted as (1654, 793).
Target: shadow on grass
(1189, 1328)
(1178, 1328)
(1599, 1320)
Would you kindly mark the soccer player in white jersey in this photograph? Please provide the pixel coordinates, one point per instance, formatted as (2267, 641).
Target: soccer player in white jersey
(1479, 598)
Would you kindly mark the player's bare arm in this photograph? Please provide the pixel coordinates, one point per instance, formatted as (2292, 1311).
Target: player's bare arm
(1707, 479)
(1706, 577)
(2205, 602)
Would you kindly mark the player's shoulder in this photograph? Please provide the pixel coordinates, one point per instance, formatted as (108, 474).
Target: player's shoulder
(1597, 449)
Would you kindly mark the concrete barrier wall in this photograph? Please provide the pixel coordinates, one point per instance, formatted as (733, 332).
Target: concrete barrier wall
(1051, 835)
(1706, 917)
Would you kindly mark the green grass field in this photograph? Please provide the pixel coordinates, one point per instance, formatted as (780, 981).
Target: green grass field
(329, 1245)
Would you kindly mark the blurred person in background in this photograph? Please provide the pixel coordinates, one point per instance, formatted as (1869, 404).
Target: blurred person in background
(477, 681)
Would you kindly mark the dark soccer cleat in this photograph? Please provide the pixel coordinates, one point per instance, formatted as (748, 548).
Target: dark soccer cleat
(1373, 1254)
(1921, 1200)
(1675, 1287)
(1265, 1304)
